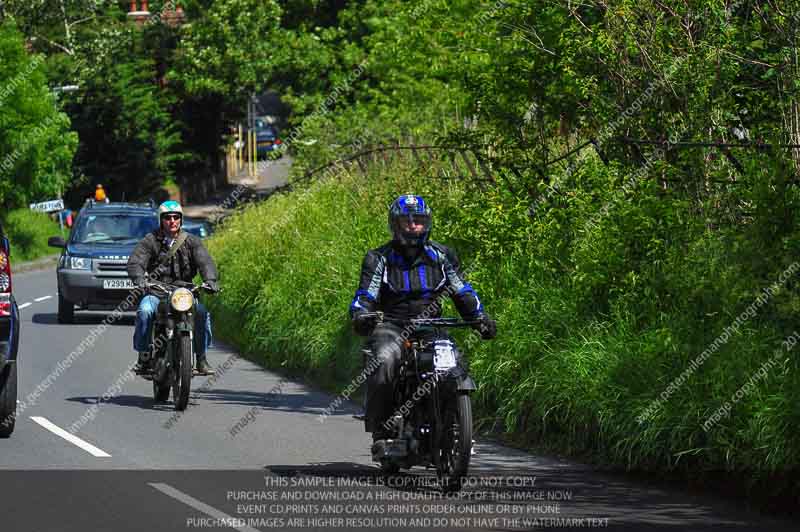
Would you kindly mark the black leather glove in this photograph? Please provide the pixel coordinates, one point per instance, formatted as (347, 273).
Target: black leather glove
(212, 285)
(139, 282)
(487, 327)
(363, 325)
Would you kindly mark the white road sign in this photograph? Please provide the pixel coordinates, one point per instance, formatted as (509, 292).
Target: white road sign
(48, 206)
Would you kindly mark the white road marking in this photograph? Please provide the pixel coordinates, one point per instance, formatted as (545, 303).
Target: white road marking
(58, 431)
(22, 306)
(42, 298)
(201, 506)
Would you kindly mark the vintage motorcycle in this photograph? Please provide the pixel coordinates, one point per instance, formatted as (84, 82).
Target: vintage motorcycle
(432, 420)
(172, 340)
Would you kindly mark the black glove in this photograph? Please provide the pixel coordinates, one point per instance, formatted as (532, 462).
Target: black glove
(212, 285)
(139, 282)
(486, 326)
(363, 325)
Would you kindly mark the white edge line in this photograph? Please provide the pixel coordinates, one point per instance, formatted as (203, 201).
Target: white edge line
(22, 306)
(42, 298)
(201, 506)
(58, 431)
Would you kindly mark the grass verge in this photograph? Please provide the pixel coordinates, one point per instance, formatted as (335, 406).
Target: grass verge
(601, 324)
(28, 232)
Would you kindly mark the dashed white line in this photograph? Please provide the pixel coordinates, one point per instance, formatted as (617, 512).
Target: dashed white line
(22, 306)
(58, 431)
(201, 506)
(42, 298)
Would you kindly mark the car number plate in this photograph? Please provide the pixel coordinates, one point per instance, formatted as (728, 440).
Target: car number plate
(119, 284)
(444, 356)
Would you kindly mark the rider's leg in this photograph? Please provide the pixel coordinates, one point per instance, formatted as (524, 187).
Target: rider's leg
(382, 366)
(202, 336)
(148, 307)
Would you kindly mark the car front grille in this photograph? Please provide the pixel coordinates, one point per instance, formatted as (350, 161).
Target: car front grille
(112, 265)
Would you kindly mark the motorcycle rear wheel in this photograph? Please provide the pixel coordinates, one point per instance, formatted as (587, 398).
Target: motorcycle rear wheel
(457, 449)
(183, 373)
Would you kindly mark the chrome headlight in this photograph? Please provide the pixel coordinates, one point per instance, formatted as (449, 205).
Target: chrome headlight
(77, 263)
(182, 300)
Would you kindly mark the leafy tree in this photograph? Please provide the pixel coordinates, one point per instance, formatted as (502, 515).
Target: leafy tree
(36, 146)
(130, 141)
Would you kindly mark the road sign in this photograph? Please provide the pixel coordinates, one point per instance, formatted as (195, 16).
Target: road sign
(48, 206)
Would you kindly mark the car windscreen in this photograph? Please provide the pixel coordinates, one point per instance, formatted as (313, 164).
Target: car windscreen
(113, 228)
(265, 131)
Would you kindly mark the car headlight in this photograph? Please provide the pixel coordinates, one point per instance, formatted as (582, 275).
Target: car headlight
(182, 300)
(77, 263)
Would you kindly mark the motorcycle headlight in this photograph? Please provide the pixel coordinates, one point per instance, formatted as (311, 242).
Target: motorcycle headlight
(77, 263)
(182, 300)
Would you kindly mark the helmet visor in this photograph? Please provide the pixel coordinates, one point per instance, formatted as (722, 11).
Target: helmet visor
(413, 226)
(416, 223)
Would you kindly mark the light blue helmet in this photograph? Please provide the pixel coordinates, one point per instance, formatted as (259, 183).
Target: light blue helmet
(170, 207)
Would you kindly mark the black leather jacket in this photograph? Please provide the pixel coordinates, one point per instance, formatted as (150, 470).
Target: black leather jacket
(183, 266)
(406, 288)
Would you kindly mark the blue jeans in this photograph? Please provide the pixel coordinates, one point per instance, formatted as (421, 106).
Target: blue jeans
(148, 307)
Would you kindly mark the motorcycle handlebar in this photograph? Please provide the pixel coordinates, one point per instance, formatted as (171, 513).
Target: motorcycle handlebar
(166, 287)
(380, 317)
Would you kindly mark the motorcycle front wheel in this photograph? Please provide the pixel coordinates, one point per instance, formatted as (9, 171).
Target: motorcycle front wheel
(456, 448)
(183, 372)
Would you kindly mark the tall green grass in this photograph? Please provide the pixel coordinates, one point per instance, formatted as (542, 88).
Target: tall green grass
(594, 322)
(28, 232)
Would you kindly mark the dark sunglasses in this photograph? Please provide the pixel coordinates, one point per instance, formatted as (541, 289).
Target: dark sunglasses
(171, 217)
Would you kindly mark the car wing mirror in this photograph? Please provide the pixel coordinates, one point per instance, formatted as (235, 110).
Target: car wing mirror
(56, 242)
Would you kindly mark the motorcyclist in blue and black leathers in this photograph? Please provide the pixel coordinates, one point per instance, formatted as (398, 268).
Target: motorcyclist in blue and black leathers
(406, 278)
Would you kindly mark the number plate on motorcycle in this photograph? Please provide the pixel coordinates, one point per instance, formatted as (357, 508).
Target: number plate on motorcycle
(124, 284)
(444, 356)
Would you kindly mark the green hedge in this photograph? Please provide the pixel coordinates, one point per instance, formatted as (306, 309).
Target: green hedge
(595, 320)
(28, 232)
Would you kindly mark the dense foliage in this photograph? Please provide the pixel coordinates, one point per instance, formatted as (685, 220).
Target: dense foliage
(629, 278)
(151, 102)
(36, 146)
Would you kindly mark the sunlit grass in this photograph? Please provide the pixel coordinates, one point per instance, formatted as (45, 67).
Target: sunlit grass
(28, 232)
(588, 338)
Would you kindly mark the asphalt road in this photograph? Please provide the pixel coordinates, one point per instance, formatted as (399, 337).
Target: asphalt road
(252, 453)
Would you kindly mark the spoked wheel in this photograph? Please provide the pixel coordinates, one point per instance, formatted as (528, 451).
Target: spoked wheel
(455, 443)
(183, 373)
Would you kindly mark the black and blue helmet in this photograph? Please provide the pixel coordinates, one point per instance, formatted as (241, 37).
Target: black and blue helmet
(414, 209)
